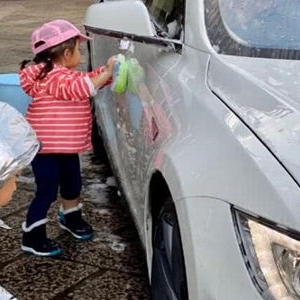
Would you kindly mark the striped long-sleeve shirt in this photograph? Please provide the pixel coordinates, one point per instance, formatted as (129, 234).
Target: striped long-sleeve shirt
(60, 111)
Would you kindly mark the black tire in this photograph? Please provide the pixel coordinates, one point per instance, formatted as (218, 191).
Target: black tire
(168, 278)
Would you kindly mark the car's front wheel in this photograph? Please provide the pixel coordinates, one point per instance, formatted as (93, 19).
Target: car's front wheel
(168, 277)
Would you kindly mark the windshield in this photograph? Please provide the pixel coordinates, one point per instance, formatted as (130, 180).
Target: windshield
(263, 23)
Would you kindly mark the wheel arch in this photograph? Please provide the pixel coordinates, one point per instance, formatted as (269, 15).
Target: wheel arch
(160, 197)
(159, 193)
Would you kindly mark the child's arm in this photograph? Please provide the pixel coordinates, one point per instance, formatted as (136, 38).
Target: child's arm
(79, 86)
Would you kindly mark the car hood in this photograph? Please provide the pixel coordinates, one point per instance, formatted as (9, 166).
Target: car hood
(265, 94)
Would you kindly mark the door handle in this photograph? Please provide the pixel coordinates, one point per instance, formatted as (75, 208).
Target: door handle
(126, 45)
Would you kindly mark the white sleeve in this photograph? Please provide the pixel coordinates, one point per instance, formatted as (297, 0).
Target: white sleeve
(93, 90)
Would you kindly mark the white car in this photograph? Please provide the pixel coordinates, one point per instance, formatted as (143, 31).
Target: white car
(205, 140)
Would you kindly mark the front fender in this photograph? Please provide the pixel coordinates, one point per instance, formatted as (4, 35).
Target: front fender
(225, 160)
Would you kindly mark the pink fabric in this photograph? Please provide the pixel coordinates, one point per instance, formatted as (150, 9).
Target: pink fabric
(60, 111)
(53, 33)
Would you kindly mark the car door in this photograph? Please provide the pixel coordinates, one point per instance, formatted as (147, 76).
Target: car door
(138, 122)
(143, 110)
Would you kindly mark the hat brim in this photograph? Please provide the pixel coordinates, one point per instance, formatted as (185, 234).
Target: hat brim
(84, 38)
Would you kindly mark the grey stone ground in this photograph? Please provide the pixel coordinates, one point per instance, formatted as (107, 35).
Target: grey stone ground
(112, 265)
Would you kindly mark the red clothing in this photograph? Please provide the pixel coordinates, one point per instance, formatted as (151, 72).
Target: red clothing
(60, 111)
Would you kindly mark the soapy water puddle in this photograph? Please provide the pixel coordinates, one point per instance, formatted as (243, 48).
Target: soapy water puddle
(96, 193)
(25, 179)
(116, 243)
(109, 182)
(99, 192)
(103, 211)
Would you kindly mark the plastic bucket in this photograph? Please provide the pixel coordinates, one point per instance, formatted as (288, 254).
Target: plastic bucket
(12, 93)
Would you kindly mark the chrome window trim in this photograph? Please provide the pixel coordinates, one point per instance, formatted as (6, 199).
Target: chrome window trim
(173, 45)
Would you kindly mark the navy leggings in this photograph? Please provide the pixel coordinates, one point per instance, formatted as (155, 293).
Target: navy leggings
(53, 172)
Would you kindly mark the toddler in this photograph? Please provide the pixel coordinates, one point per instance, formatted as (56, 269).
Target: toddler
(60, 114)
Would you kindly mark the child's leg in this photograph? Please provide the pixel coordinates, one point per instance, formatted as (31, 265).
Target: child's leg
(46, 172)
(70, 216)
(45, 169)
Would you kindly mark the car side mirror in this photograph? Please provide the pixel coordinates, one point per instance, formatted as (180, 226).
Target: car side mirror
(127, 16)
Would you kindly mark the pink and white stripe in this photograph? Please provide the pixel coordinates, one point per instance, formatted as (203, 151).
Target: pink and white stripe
(60, 111)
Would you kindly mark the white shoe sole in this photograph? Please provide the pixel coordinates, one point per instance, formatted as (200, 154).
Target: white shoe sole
(31, 250)
(79, 237)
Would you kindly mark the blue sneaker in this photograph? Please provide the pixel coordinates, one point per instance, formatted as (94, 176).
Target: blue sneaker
(74, 224)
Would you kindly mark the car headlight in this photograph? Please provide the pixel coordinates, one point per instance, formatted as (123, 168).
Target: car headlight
(272, 256)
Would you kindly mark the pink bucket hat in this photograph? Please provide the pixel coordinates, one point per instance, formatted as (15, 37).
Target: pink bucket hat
(53, 33)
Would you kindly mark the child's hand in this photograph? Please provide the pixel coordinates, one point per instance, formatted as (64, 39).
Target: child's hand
(106, 74)
(110, 65)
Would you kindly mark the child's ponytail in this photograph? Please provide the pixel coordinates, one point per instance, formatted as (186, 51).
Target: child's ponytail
(24, 63)
(47, 67)
(40, 58)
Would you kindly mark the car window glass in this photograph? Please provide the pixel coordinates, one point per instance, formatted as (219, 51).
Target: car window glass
(265, 28)
(167, 16)
(264, 23)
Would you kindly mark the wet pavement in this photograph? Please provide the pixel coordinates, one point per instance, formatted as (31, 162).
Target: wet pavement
(112, 265)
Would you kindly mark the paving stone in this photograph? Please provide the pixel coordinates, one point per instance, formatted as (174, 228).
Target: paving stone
(39, 278)
(111, 285)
